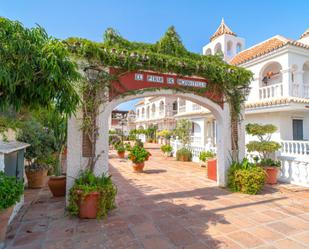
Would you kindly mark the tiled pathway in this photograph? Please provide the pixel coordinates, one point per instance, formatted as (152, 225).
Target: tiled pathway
(171, 205)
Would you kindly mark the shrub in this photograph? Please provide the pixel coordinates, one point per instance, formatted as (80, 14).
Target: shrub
(183, 131)
(87, 183)
(138, 154)
(41, 139)
(246, 177)
(114, 140)
(11, 190)
(205, 155)
(120, 148)
(183, 155)
(167, 148)
(268, 162)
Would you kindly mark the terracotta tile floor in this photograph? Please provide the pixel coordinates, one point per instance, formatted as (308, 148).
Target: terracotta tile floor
(171, 205)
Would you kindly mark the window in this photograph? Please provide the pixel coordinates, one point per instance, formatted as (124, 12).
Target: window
(238, 48)
(298, 129)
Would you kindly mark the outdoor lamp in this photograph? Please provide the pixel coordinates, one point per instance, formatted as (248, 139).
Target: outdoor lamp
(92, 73)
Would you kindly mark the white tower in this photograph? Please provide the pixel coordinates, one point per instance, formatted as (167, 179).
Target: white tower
(225, 41)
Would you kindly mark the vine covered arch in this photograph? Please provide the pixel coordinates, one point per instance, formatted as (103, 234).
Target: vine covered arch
(118, 70)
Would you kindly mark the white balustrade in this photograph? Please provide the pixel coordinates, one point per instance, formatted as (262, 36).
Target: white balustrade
(195, 149)
(271, 91)
(306, 91)
(196, 140)
(294, 148)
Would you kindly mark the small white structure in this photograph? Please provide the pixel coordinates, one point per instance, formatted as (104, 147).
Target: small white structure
(12, 163)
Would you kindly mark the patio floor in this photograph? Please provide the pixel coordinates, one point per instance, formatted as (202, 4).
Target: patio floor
(171, 205)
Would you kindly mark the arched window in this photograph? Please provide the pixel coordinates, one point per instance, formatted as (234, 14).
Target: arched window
(238, 48)
(218, 48)
(208, 51)
(153, 109)
(306, 73)
(143, 112)
(161, 107)
(137, 113)
(147, 111)
(175, 107)
(229, 48)
(271, 74)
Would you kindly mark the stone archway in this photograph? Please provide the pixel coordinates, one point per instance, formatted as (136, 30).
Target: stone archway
(122, 92)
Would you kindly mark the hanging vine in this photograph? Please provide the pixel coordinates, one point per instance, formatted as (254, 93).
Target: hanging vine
(168, 55)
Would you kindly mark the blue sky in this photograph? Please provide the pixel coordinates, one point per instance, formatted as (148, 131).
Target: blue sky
(147, 20)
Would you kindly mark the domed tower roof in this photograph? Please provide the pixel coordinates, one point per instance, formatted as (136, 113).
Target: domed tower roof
(222, 29)
(305, 34)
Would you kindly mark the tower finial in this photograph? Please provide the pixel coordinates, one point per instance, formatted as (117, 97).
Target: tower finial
(222, 29)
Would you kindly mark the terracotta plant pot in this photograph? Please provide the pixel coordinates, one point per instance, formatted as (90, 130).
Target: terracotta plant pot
(36, 179)
(212, 169)
(4, 219)
(121, 154)
(183, 158)
(88, 205)
(271, 175)
(57, 185)
(138, 167)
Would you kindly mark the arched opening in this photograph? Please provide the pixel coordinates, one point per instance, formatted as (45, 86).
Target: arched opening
(306, 73)
(218, 49)
(148, 112)
(229, 49)
(306, 80)
(238, 48)
(161, 108)
(143, 113)
(271, 74)
(137, 114)
(175, 107)
(153, 110)
(271, 81)
(208, 51)
(221, 114)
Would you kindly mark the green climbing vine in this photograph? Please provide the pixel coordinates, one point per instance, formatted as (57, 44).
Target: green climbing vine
(168, 55)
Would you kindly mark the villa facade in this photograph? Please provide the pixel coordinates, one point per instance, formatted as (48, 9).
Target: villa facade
(279, 94)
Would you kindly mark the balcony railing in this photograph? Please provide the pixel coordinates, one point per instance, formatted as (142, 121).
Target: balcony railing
(272, 91)
(182, 108)
(196, 140)
(196, 107)
(294, 148)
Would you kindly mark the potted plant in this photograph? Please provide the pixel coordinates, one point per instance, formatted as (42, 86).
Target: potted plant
(167, 150)
(92, 196)
(42, 143)
(205, 156)
(11, 190)
(184, 155)
(120, 150)
(266, 149)
(138, 155)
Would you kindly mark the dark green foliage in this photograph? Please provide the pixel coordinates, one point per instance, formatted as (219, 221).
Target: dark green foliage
(35, 69)
(120, 148)
(205, 155)
(41, 139)
(10, 191)
(185, 153)
(166, 148)
(139, 143)
(87, 183)
(246, 177)
(138, 154)
(264, 146)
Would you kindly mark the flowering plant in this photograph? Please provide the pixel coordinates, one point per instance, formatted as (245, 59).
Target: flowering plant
(138, 154)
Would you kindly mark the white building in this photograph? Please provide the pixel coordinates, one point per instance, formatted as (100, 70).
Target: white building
(279, 95)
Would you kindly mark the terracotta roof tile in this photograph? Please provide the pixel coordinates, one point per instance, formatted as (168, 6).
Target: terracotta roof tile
(306, 33)
(222, 29)
(277, 101)
(264, 48)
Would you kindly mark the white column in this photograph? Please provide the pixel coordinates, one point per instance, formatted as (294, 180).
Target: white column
(286, 81)
(298, 79)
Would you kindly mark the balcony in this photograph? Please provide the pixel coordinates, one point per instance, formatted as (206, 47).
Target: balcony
(272, 91)
(196, 140)
(294, 148)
